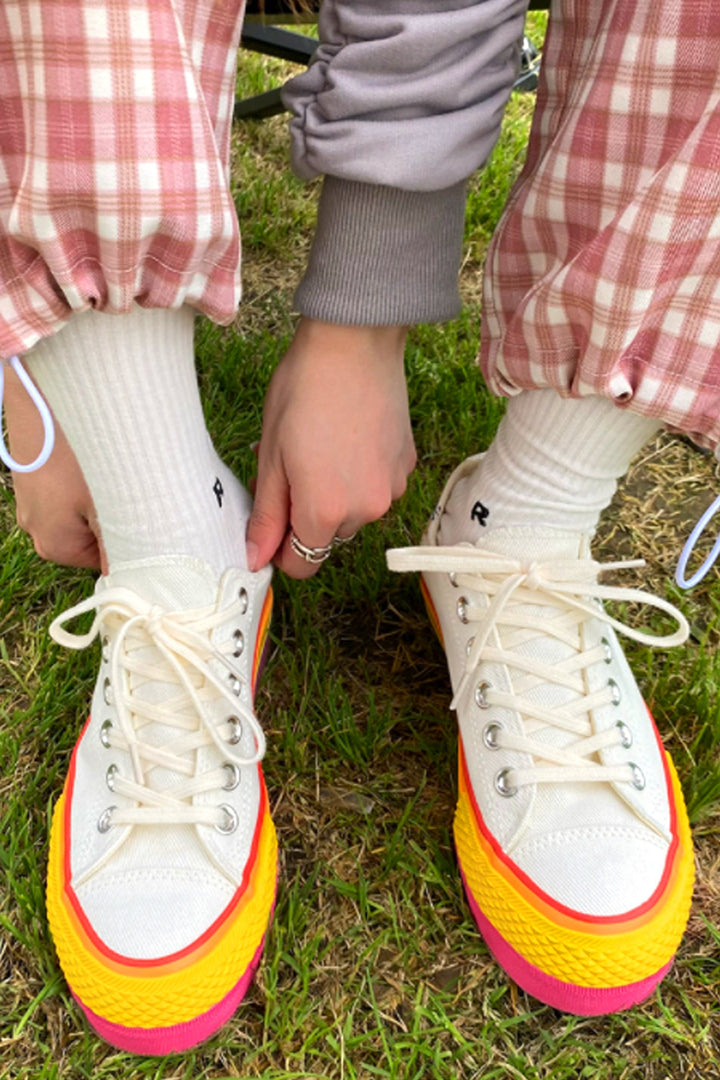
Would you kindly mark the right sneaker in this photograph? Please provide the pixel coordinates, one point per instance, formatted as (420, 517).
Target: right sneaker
(163, 855)
(570, 830)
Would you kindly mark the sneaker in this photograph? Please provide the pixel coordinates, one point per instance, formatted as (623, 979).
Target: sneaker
(570, 829)
(163, 856)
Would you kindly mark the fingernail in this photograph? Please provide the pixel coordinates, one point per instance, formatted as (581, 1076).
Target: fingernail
(251, 554)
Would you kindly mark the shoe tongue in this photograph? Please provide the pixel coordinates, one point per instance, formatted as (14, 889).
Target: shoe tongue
(175, 583)
(535, 545)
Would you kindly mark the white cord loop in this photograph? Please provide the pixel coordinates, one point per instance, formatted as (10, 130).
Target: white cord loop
(45, 416)
(182, 640)
(688, 583)
(564, 594)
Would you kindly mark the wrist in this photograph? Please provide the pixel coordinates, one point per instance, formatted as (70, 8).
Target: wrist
(344, 338)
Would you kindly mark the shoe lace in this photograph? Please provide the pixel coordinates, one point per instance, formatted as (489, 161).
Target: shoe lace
(566, 593)
(184, 652)
(45, 415)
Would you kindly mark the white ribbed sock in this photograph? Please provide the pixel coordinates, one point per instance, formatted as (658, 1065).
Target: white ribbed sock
(554, 463)
(124, 390)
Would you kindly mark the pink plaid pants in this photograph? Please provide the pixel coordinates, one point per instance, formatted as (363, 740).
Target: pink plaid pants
(604, 274)
(603, 277)
(115, 122)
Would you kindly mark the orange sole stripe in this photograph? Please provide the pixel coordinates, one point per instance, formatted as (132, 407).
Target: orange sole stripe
(263, 630)
(545, 904)
(586, 952)
(174, 989)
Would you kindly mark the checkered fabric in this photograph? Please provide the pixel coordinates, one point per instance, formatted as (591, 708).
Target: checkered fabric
(604, 275)
(115, 123)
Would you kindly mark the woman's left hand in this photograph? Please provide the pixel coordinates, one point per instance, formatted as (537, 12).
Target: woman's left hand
(52, 504)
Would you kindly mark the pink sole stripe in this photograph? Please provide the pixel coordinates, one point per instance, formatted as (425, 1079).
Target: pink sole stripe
(579, 1000)
(178, 1037)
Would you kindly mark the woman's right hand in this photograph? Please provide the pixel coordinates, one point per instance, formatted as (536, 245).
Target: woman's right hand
(337, 445)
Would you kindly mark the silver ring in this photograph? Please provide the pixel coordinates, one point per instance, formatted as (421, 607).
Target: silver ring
(314, 555)
(344, 539)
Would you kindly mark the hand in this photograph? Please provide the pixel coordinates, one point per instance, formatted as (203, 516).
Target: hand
(53, 504)
(336, 446)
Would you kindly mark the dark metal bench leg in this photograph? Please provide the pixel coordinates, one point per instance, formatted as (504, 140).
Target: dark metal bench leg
(282, 44)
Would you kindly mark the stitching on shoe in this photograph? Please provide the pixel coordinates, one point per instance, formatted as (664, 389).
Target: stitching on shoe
(613, 832)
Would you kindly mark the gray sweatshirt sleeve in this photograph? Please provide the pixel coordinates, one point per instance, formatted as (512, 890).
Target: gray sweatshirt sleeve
(403, 101)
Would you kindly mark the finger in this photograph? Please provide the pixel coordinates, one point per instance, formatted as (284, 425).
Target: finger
(81, 550)
(94, 526)
(313, 529)
(270, 515)
(344, 535)
(88, 559)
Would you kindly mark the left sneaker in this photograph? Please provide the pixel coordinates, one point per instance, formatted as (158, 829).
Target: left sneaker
(570, 829)
(163, 856)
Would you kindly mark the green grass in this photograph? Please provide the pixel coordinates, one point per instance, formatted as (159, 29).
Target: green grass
(373, 967)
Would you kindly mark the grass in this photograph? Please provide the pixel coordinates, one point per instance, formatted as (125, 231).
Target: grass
(374, 967)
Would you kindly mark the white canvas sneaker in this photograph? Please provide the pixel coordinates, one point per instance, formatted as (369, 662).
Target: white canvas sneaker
(163, 860)
(570, 829)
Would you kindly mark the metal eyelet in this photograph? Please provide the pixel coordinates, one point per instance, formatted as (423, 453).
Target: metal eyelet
(107, 692)
(452, 578)
(110, 775)
(638, 777)
(105, 819)
(481, 694)
(105, 729)
(615, 692)
(233, 776)
(236, 726)
(626, 739)
(490, 733)
(235, 685)
(462, 606)
(470, 643)
(231, 820)
(502, 786)
(607, 650)
(239, 639)
(243, 599)
(105, 648)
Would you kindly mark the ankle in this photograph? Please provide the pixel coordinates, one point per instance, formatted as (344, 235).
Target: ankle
(554, 464)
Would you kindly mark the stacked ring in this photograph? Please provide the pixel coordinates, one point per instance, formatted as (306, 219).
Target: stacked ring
(315, 555)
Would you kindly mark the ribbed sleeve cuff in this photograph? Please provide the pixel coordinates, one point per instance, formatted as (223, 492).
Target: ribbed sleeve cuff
(384, 257)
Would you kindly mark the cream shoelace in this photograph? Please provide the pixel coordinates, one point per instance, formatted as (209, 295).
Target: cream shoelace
(569, 594)
(184, 653)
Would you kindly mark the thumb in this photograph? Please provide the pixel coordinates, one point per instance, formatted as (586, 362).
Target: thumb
(270, 516)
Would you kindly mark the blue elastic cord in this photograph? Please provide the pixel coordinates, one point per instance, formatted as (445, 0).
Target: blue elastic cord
(45, 416)
(687, 583)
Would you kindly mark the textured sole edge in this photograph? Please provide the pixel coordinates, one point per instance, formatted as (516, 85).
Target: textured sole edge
(567, 997)
(175, 1039)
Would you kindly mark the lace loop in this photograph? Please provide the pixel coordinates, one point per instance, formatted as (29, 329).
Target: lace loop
(568, 580)
(45, 415)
